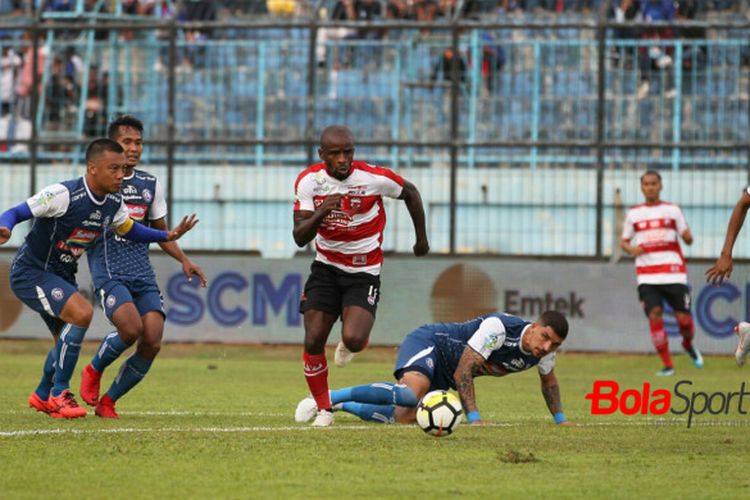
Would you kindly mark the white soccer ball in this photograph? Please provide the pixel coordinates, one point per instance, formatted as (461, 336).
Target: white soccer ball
(439, 413)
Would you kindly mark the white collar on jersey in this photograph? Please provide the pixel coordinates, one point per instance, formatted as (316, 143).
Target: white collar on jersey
(91, 195)
(520, 340)
(129, 177)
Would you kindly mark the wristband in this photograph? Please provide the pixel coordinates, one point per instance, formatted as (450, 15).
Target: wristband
(473, 416)
(559, 417)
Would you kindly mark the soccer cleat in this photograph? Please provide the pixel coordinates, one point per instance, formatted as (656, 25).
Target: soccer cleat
(90, 380)
(306, 410)
(743, 345)
(695, 357)
(343, 355)
(665, 372)
(41, 405)
(323, 419)
(105, 408)
(66, 405)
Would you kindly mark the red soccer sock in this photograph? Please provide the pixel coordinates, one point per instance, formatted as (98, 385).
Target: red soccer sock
(659, 338)
(316, 375)
(687, 330)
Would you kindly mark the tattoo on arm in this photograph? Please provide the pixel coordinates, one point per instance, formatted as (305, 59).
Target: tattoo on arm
(471, 365)
(551, 395)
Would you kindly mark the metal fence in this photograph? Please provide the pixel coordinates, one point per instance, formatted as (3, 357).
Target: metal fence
(524, 137)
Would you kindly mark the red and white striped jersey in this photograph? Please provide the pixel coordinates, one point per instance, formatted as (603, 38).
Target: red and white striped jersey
(657, 229)
(349, 238)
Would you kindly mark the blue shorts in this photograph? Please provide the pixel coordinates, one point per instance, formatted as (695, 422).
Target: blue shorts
(419, 353)
(144, 294)
(43, 291)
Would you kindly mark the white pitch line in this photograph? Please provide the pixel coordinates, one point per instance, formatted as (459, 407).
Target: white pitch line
(177, 413)
(40, 432)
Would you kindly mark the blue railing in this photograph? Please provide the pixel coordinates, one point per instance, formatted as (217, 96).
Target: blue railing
(541, 197)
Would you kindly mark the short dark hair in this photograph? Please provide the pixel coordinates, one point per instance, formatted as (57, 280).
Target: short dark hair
(651, 172)
(124, 121)
(556, 321)
(335, 130)
(100, 146)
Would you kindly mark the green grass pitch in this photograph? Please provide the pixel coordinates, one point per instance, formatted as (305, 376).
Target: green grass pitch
(215, 421)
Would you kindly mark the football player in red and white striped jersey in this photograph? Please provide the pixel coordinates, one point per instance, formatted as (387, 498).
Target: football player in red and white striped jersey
(339, 205)
(651, 234)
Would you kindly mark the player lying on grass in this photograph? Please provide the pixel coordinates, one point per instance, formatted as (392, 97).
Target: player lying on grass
(449, 356)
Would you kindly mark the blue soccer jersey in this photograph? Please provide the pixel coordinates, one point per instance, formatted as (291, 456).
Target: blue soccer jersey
(68, 219)
(436, 349)
(114, 257)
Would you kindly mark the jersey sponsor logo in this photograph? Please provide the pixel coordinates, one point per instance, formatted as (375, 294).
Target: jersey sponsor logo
(78, 196)
(82, 237)
(137, 212)
(147, 196)
(319, 178)
(358, 190)
(57, 294)
(516, 363)
(129, 190)
(74, 251)
(95, 215)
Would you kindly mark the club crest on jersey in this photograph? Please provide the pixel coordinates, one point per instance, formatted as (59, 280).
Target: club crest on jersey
(372, 295)
(44, 198)
(137, 212)
(147, 196)
(491, 343)
(111, 301)
(57, 294)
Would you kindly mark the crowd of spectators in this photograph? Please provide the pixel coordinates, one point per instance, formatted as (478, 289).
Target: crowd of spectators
(63, 88)
(421, 10)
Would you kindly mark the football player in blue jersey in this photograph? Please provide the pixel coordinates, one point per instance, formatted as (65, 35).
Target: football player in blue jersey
(450, 356)
(68, 219)
(125, 282)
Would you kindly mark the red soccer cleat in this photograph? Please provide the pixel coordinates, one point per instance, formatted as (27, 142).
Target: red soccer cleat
(106, 408)
(90, 380)
(66, 405)
(41, 405)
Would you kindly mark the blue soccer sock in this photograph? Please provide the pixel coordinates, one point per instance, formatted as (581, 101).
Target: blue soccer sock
(68, 349)
(383, 414)
(109, 350)
(132, 371)
(48, 375)
(378, 393)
